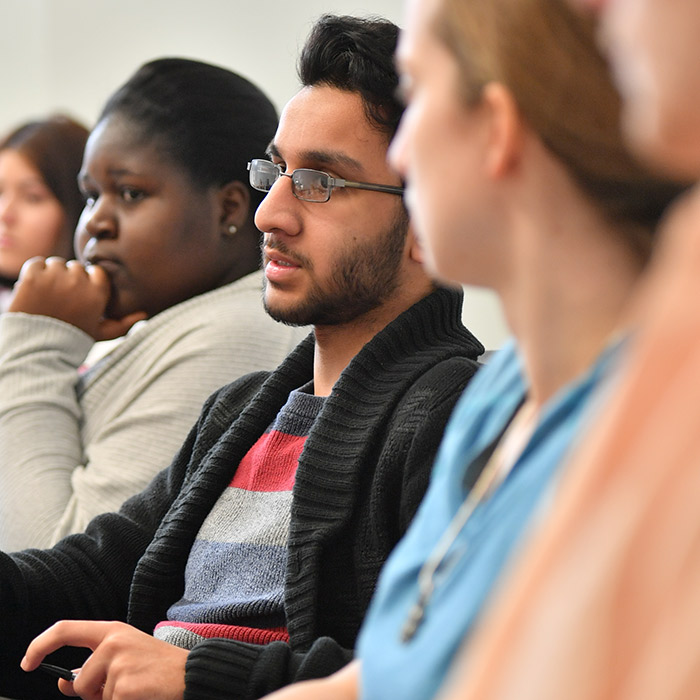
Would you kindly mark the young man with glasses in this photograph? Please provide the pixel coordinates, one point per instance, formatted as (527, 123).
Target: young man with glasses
(252, 559)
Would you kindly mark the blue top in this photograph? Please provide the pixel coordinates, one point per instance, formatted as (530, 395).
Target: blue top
(414, 670)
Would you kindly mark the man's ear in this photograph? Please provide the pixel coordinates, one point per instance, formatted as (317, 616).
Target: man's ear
(506, 127)
(234, 199)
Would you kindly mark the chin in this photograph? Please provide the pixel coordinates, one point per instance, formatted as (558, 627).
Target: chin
(662, 145)
(282, 312)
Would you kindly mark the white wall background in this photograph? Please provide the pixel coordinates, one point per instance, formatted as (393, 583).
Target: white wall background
(69, 55)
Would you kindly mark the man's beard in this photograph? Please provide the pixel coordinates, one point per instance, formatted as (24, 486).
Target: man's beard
(362, 279)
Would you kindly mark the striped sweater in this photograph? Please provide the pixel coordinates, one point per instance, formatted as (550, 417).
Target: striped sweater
(234, 578)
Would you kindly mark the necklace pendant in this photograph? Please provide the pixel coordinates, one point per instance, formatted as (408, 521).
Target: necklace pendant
(413, 622)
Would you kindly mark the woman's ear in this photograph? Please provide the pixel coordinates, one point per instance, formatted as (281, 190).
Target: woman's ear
(235, 206)
(505, 139)
(415, 250)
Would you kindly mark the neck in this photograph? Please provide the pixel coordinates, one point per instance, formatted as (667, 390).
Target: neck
(337, 345)
(569, 293)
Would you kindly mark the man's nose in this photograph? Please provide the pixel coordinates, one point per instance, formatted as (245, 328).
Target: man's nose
(280, 211)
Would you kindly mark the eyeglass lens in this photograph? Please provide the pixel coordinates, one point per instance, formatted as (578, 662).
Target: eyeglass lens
(263, 174)
(311, 185)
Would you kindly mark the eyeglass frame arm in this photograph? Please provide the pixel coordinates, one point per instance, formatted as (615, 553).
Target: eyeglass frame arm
(388, 189)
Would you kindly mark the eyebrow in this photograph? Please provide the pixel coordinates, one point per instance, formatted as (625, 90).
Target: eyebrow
(113, 172)
(32, 181)
(327, 158)
(119, 172)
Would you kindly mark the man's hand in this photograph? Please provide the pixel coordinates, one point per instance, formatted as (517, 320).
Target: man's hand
(70, 292)
(125, 664)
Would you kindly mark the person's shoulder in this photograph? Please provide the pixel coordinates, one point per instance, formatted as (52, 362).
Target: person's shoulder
(227, 324)
(221, 306)
(443, 381)
(234, 396)
(239, 388)
(453, 368)
(503, 366)
(497, 380)
(434, 324)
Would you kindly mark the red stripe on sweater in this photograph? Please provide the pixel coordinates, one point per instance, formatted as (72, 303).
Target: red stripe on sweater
(241, 634)
(270, 464)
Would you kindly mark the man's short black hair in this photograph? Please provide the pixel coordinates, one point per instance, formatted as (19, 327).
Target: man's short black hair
(356, 54)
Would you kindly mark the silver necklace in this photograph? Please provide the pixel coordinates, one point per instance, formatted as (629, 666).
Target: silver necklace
(489, 480)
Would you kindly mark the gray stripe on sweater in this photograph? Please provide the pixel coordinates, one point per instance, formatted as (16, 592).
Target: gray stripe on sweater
(177, 636)
(253, 517)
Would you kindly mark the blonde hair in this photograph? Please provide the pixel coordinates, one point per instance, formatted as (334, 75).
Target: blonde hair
(545, 53)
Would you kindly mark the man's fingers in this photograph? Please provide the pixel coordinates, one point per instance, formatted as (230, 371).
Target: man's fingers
(66, 687)
(74, 633)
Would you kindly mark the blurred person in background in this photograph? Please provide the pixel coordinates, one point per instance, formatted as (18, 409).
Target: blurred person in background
(39, 197)
(605, 602)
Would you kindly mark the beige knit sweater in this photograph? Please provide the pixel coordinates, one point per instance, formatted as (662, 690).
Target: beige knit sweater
(73, 446)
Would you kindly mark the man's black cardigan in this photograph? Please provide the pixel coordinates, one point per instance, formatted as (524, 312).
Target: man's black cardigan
(363, 471)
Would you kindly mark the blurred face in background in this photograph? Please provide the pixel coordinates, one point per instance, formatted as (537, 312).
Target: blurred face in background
(654, 49)
(32, 220)
(439, 150)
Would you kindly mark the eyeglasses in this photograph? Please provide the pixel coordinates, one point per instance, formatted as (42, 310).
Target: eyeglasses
(307, 185)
